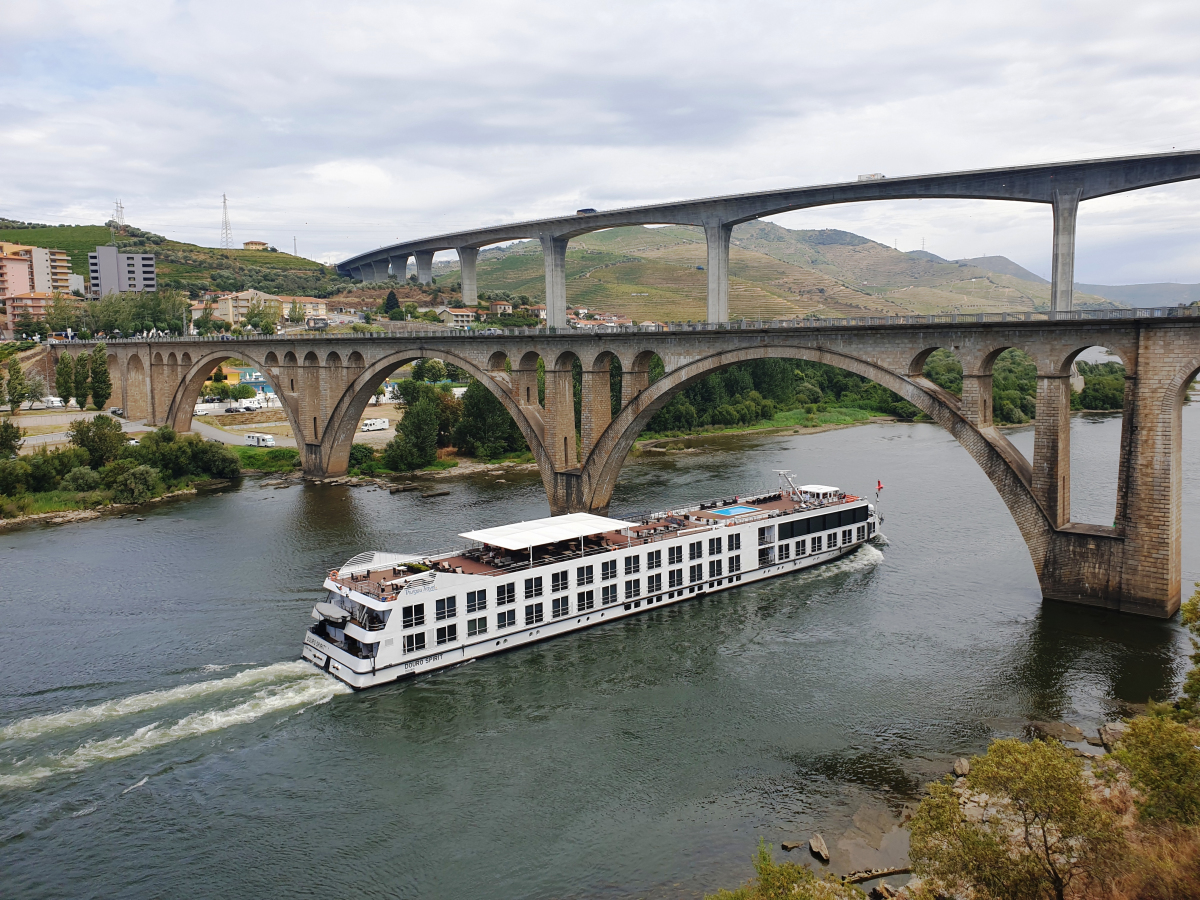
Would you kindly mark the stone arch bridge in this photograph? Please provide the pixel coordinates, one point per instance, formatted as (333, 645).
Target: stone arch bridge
(326, 381)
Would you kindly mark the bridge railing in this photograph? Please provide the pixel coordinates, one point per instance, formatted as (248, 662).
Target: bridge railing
(799, 323)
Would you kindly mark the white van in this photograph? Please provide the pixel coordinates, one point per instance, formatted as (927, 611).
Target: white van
(375, 425)
(54, 403)
(260, 440)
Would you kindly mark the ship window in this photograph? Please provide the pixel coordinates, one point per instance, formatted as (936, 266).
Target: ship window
(696, 550)
(559, 607)
(632, 564)
(414, 642)
(735, 542)
(785, 552)
(533, 587)
(608, 594)
(560, 581)
(860, 514)
(800, 547)
(735, 564)
(714, 546)
(845, 517)
(608, 569)
(476, 626)
(587, 600)
(447, 609)
(583, 575)
(816, 544)
(870, 528)
(785, 530)
(714, 569)
(860, 533)
(653, 560)
(766, 556)
(847, 536)
(633, 588)
(506, 619)
(447, 634)
(412, 616)
(674, 556)
(675, 578)
(533, 613)
(476, 601)
(831, 540)
(696, 572)
(766, 535)
(505, 594)
(654, 583)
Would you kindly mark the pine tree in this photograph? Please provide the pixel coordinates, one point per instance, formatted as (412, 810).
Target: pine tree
(64, 377)
(17, 387)
(102, 387)
(83, 385)
(391, 303)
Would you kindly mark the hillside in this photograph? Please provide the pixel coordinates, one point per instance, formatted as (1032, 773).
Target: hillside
(658, 273)
(187, 267)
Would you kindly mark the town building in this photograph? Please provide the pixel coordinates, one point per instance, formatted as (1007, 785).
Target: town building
(255, 245)
(112, 272)
(233, 308)
(500, 308)
(31, 303)
(459, 318)
(539, 311)
(16, 275)
(50, 269)
(310, 306)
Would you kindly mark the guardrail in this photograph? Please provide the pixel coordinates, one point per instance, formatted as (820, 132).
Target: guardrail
(771, 325)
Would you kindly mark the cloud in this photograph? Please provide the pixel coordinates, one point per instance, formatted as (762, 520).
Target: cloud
(357, 124)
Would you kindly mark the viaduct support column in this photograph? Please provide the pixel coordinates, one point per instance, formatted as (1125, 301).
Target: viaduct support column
(380, 267)
(977, 400)
(357, 272)
(633, 382)
(554, 249)
(560, 419)
(717, 237)
(1062, 286)
(425, 266)
(1052, 448)
(596, 407)
(399, 266)
(467, 257)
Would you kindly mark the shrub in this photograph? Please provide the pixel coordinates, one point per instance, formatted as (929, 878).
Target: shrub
(360, 455)
(84, 478)
(777, 881)
(135, 485)
(1164, 766)
(101, 437)
(14, 477)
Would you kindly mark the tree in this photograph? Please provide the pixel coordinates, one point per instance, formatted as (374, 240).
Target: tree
(11, 438)
(83, 381)
(1047, 835)
(17, 385)
(296, 311)
(64, 376)
(391, 303)
(262, 316)
(486, 429)
(63, 312)
(415, 444)
(101, 437)
(776, 881)
(102, 387)
(435, 371)
(35, 389)
(1164, 765)
(379, 392)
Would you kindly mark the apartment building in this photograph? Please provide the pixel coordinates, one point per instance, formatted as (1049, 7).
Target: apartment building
(16, 274)
(50, 269)
(114, 272)
(310, 306)
(232, 308)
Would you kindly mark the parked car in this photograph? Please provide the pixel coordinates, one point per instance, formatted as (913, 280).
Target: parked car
(232, 409)
(133, 442)
(116, 411)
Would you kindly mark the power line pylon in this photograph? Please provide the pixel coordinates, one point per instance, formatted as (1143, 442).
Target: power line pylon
(226, 231)
(119, 214)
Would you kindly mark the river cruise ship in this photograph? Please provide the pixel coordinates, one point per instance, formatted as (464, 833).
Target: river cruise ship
(392, 615)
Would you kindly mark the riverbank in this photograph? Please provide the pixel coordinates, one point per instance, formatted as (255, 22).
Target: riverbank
(68, 513)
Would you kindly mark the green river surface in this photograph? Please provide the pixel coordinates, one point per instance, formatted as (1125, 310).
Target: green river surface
(159, 736)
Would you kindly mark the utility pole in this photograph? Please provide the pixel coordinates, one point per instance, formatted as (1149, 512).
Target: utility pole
(294, 253)
(226, 231)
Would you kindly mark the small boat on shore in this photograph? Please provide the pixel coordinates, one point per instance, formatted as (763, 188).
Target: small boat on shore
(391, 615)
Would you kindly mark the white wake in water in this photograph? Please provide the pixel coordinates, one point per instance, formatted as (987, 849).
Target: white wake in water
(35, 726)
(311, 689)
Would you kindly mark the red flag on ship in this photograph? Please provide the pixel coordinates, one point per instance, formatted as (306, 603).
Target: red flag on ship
(879, 486)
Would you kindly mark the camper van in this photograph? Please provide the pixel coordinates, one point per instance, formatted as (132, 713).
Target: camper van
(260, 440)
(375, 425)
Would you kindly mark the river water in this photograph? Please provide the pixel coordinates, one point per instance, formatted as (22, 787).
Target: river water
(159, 738)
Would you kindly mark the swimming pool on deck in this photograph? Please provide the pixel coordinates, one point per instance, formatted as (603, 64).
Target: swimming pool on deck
(735, 510)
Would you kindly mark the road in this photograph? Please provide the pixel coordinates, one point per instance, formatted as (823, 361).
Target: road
(234, 440)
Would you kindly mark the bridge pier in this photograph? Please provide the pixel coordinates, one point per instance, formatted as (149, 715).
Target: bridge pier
(595, 406)
(425, 266)
(977, 400)
(1052, 448)
(399, 264)
(717, 237)
(467, 257)
(559, 437)
(554, 251)
(1065, 203)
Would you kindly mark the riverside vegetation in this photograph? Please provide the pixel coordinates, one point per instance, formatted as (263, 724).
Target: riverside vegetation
(1038, 821)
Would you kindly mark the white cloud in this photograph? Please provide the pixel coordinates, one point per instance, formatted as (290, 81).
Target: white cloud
(356, 124)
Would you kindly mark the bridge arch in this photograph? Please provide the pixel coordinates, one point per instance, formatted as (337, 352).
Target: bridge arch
(1004, 465)
(332, 455)
(191, 383)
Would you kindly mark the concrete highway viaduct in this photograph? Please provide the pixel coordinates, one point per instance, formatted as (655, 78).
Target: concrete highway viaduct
(326, 381)
(1061, 186)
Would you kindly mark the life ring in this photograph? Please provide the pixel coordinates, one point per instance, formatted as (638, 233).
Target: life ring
(333, 573)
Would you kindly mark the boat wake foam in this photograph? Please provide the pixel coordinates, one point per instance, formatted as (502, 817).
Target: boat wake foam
(36, 726)
(310, 689)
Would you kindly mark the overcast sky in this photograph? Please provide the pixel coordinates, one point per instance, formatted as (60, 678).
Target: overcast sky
(355, 124)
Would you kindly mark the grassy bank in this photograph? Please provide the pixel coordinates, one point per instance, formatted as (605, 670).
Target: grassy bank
(273, 459)
(793, 418)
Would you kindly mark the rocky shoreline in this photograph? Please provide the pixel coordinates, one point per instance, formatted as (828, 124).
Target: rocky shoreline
(69, 516)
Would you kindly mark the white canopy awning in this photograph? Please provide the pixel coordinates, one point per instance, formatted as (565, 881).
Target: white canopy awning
(818, 489)
(524, 535)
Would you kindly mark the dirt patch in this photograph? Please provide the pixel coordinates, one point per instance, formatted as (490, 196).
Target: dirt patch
(254, 417)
